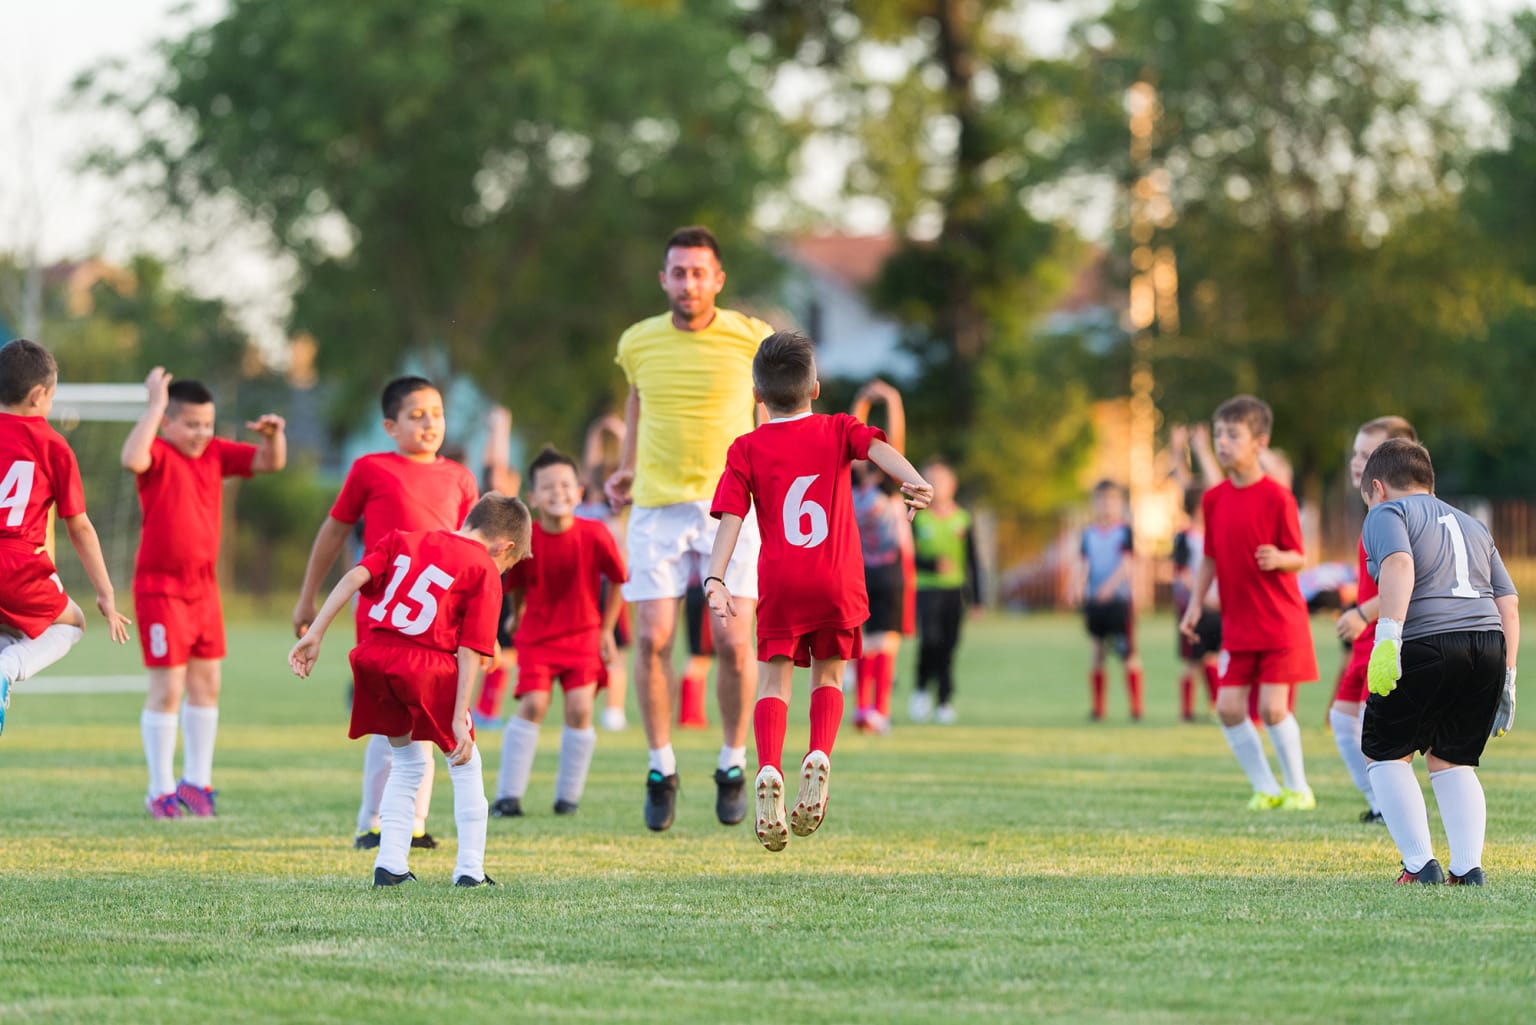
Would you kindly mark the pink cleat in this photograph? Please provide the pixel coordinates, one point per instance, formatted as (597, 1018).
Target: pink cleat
(163, 807)
(197, 800)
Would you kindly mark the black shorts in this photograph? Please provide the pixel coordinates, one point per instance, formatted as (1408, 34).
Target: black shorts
(887, 596)
(696, 612)
(502, 637)
(1208, 637)
(1112, 621)
(1445, 701)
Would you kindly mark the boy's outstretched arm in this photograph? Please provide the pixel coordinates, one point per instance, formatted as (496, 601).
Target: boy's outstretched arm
(322, 556)
(272, 453)
(715, 591)
(915, 491)
(82, 534)
(301, 659)
(137, 446)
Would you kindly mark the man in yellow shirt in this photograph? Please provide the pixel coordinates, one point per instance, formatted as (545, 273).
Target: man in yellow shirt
(690, 396)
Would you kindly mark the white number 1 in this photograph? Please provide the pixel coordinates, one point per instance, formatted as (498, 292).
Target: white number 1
(1463, 588)
(420, 592)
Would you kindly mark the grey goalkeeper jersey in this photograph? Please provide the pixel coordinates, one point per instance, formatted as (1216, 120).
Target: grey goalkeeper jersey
(1457, 572)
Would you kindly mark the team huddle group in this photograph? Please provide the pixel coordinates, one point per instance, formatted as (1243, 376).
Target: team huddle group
(795, 522)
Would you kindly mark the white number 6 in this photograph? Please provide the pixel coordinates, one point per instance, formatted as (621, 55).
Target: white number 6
(796, 508)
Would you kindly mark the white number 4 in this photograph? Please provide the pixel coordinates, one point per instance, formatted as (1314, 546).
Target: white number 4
(16, 491)
(420, 592)
(1463, 588)
(797, 508)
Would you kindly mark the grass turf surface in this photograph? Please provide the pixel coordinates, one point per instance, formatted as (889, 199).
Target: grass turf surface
(1024, 865)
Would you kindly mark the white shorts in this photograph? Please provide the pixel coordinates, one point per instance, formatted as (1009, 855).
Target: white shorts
(670, 543)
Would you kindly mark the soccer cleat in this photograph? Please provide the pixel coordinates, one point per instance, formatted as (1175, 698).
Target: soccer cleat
(946, 715)
(424, 840)
(1297, 800)
(877, 724)
(164, 807)
(1261, 801)
(507, 808)
(366, 839)
(811, 806)
(1431, 874)
(565, 807)
(197, 800)
(772, 831)
(384, 877)
(1370, 817)
(5, 699)
(465, 881)
(920, 707)
(1473, 877)
(730, 795)
(660, 800)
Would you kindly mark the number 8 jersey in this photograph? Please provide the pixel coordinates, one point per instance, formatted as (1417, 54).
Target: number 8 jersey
(432, 589)
(795, 471)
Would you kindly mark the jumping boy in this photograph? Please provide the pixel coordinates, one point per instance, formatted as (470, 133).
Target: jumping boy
(433, 597)
(1254, 549)
(180, 468)
(1107, 565)
(38, 621)
(794, 469)
(410, 489)
(562, 633)
(1442, 671)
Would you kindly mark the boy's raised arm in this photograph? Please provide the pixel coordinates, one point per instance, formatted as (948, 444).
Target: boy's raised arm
(915, 491)
(272, 454)
(137, 446)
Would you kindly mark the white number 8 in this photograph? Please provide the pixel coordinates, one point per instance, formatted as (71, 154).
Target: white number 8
(796, 508)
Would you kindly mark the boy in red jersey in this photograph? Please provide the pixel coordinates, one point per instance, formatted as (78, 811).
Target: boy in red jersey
(795, 469)
(38, 621)
(433, 598)
(180, 469)
(411, 488)
(562, 633)
(1254, 550)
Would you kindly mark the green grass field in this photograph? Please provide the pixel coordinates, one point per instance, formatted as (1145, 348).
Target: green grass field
(1022, 866)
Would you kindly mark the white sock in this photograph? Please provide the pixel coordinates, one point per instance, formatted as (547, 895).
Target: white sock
(1346, 734)
(159, 732)
(1464, 811)
(576, 747)
(424, 792)
(396, 811)
(1286, 736)
(199, 727)
(519, 743)
(1402, 806)
(663, 760)
(378, 756)
(732, 758)
(469, 816)
(1244, 741)
(31, 655)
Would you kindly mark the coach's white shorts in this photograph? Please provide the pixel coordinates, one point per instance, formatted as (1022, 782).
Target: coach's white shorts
(669, 543)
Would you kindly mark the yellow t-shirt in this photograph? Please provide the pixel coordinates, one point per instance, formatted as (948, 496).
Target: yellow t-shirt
(695, 399)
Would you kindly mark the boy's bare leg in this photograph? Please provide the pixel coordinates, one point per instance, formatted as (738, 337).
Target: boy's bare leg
(736, 671)
(655, 625)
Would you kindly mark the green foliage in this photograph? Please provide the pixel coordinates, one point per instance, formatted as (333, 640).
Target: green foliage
(278, 515)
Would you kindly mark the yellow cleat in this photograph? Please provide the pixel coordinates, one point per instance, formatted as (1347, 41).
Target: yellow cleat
(1297, 800)
(1261, 801)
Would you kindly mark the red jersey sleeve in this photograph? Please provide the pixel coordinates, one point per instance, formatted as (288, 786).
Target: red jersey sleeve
(349, 505)
(64, 476)
(857, 436)
(1288, 530)
(482, 611)
(376, 562)
(235, 457)
(734, 492)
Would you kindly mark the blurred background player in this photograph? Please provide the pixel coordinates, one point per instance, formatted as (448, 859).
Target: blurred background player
(180, 468)
(693, 685)
(944, 552)
(38, 471)
(497, 474)
(411, 488)
(599, 458)
(1105, 583)
(560, 632)
(1198, 654)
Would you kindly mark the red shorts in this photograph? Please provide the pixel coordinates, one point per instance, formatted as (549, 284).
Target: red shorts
(1277, 665)
(821, 645)
(174, 629)
(1352, 680)
(538, 674)
(404, 690)
(33, 597)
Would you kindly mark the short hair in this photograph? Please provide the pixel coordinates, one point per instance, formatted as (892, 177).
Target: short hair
(784, 370)
(1192, 498)
(550, 456)
(1245, 409)
(23, 366)
(1401, 464)
(1105, 486)
(498, 517)
(693, 236)
(187, 393)
(397, 391)
(1391, 426)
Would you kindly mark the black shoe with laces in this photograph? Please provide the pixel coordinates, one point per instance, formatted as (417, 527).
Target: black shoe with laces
(366, 840)
(730, 795)
(507, 808)
(660, 800)
(384, 877)
(1431, 874)
(467, 882)
(426, 842)
(1474, 877)
(565, 807)
(1372, 817)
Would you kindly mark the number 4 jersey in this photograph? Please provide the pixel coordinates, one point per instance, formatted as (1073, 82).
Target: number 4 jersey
(434, 589)
(1457, 572)
(795, 470)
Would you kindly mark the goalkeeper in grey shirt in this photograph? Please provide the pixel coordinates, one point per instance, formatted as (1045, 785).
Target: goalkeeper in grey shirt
(1442, 673)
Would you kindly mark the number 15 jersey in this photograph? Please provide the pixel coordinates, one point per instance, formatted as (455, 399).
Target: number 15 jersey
(811, 568)
(432, 589)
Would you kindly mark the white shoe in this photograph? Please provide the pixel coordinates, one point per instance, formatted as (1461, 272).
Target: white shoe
(811, 806)
(877, 723)
(946, 715)
(613, 720)
(771, 830)
(920, 707)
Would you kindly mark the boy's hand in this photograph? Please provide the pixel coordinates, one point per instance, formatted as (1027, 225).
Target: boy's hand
(1190, 620)
(606, 649)
(1267, 556)
(1386, 666)
(158, 385)
(1350, 624)
(1504, 718)
(617, 488)
(464, 740)
(917, 494)
(117, 623)
(719, 598)
(303, 615)
(267, 425)
(304, 655)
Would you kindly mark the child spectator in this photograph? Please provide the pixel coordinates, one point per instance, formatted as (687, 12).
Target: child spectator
(1104, 587)
(1198, 655)
(944, 551)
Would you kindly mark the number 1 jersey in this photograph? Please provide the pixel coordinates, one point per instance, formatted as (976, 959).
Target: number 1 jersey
(795, 471)
(433, 589)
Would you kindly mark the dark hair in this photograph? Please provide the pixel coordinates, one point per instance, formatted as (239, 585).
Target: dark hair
(398, 390)
(1391, 426)
(499, 517)
(1192, 497)
(1401, 465)
(1105, 485)
(694, 236)
(1245, 409)
(23, 366)
(784, 370)
(187, 393)
(550, 456)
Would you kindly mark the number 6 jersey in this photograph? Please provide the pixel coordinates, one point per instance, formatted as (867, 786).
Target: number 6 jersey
(433, 589)
(811, 568)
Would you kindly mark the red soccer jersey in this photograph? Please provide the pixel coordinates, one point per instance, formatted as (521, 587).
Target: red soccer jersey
(433, 589)
(37, 471)
(562, 613)
(1367, 590)
(811, 569)
(183, 504)
(390, 492)
(1260, 611)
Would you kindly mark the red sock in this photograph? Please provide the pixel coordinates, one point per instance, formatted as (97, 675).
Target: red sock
(885, 677)
(1212, 680)
(865, 670)
(1187, 695)
(770, 717)
(488, 706)
(690, 705)
(1133, 684)
(826, 714)
(1096, 678)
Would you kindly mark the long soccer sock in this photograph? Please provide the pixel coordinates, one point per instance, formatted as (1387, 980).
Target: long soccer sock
(690, 703)
(199, 729)
(1212, 680)
(826, 714)
(1248, 747)
(1346, 736)
(378, 756)
(1286, 736)
(864, 671)
(662, 760)
(576, 747)
(159, 732)
(31, 655)
(1187, 695)
(885, 679)
(1096, 688)
(731, 758)
(424, 792)
(488, 705)
(519, 743)
(397, 809)
(1402, 806)
(469, 815)
(1464, 811)
(770, 718)
(1133, 686)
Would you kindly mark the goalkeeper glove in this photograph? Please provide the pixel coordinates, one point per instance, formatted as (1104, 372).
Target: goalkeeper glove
(1504, 718)
(1386, 666)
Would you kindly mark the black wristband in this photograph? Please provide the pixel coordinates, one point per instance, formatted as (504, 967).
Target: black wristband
(708, 579)
(1356, 610)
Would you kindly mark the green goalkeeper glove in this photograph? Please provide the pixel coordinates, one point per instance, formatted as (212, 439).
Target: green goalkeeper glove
(1504, 718)
(1386, 666)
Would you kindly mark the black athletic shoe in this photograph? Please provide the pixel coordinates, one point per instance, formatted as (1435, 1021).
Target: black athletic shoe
(660, 800)
(466, 881)
(565, 807)
(730, 795)
(1431, 874)
(384, 877)
(507, 808)
(1372, 817)
(366, 840)
(1474, 877)
(425, 841)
